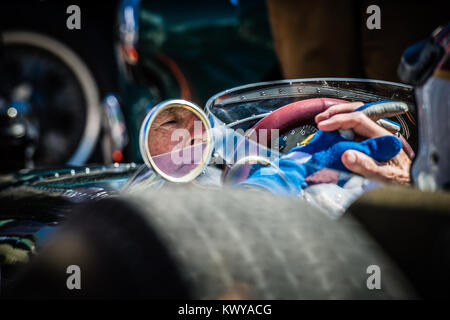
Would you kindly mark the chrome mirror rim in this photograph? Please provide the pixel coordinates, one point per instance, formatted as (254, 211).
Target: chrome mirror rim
(145, 131)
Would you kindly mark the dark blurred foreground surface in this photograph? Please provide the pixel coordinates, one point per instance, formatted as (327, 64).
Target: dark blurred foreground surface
(193, 243)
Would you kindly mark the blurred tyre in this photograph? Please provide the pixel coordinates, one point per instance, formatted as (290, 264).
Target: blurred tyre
(64, 95)
(66, 73)
(183, 242)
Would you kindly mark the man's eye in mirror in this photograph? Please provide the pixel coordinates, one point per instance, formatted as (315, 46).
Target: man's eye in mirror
(170, 122)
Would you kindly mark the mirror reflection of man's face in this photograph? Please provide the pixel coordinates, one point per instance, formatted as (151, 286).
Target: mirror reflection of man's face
(173, 129)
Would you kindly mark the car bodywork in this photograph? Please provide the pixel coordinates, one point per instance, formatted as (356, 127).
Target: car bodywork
(35, 202)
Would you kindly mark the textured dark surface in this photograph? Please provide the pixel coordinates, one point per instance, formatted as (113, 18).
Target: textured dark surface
(414, 229)
(185, 242)
(249, 245)
(117, 252)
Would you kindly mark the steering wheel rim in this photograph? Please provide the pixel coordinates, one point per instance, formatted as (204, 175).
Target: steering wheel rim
(292, 114)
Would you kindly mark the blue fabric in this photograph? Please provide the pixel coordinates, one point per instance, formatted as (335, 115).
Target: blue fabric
(325, 149)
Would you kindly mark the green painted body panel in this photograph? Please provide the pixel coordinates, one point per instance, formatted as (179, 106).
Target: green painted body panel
(213, 45)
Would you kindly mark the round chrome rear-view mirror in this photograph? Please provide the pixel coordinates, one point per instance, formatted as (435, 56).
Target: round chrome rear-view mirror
(176, 141)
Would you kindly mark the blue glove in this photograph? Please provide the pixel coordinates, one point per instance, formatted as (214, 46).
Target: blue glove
(325, 150)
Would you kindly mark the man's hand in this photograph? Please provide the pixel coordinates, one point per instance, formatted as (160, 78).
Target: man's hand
(340, 117)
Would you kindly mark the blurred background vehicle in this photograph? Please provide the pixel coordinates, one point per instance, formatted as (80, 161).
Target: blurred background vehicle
(57, 83)
(54, 79)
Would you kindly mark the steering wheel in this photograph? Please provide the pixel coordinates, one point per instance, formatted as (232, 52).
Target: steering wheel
(291, 115)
